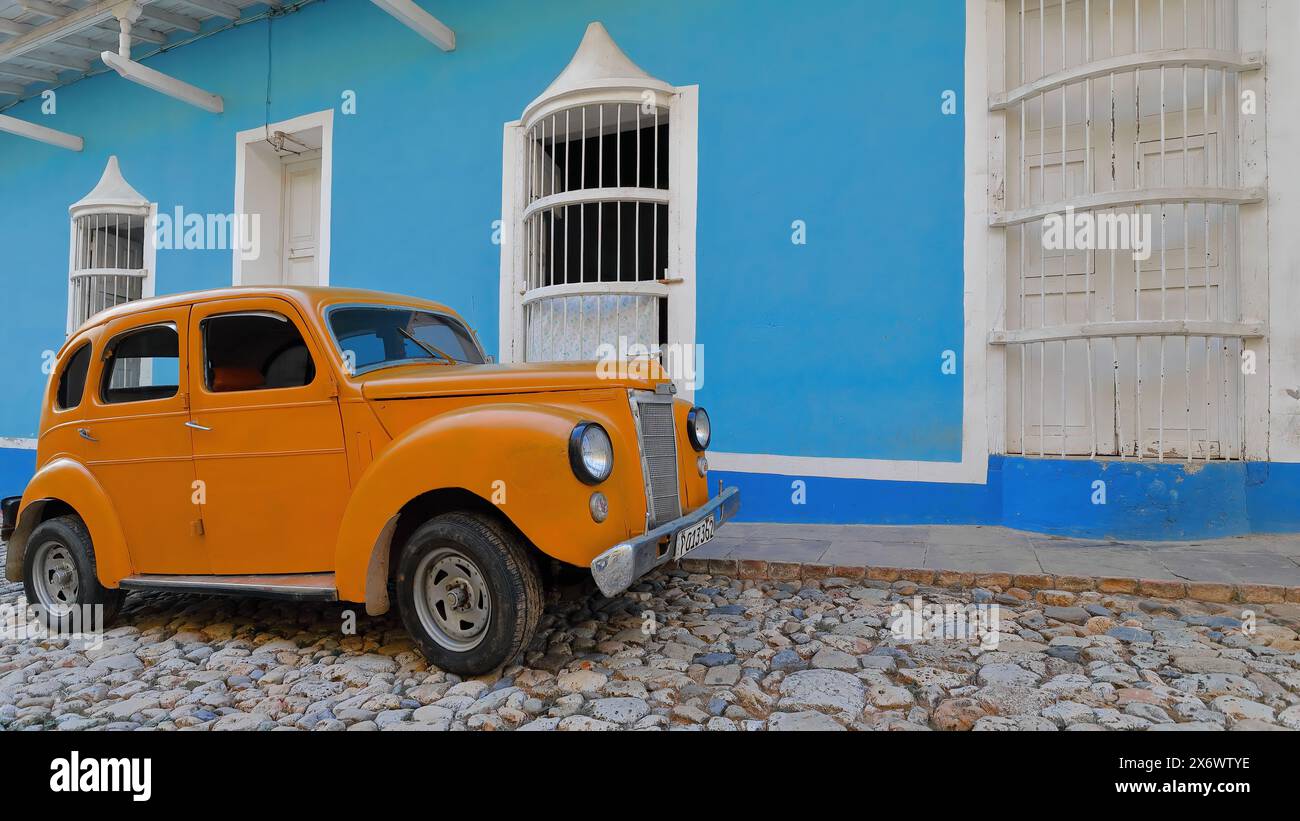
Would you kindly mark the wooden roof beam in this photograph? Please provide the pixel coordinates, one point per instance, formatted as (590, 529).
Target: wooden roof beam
(31, 131)
(421, 22)
(140, 74)
(34, 75)
(217, 8)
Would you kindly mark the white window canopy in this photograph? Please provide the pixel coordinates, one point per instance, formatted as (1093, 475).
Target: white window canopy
(113, 194)
(598, 72)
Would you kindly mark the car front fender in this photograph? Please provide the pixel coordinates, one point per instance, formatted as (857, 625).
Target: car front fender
(513, 455)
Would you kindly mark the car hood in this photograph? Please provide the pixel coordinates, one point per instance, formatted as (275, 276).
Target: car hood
(418, 381)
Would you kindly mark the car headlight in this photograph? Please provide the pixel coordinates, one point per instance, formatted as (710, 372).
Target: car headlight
(698, 428)
(591, 454)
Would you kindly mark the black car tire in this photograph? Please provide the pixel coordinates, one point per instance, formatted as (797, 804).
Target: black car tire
(68, 539)
(468, 592)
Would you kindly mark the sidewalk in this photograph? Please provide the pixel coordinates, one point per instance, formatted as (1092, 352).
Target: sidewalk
(1263, 559)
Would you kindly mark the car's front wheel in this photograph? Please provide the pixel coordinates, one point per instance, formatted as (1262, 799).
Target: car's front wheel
(59, 575)
(468, 593)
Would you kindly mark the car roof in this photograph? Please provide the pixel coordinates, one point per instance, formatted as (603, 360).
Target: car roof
(310, 298)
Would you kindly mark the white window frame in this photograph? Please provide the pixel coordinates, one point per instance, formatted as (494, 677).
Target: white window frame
(324, 120)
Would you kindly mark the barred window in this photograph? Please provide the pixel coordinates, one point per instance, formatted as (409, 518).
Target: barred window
(110, 253)
(599, 196)
(108, 263)
(1123, 116)
(596, 228)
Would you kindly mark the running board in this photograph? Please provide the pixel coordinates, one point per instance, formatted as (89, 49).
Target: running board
(292, 586)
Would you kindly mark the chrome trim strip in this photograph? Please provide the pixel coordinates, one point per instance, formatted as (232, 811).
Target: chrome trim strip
(640, 449)
(295, 587)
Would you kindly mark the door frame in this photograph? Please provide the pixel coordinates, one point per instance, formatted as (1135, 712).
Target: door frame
(271, 241)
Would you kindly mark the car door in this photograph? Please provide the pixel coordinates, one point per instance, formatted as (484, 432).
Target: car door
(268, 439)
(135, 440)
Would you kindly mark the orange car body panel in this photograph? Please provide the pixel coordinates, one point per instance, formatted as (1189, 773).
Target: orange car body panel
(306, 479)
(70, 482)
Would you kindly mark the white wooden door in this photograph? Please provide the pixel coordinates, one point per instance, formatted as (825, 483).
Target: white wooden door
(1152, 396)
(301, 204)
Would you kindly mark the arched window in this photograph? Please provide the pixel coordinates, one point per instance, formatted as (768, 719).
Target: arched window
(600, 199)
(111, 258)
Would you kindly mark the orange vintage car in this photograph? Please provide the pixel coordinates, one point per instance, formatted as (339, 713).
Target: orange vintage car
(330, 444)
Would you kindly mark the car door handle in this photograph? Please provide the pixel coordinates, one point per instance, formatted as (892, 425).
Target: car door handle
(196, 426)
(84, 433)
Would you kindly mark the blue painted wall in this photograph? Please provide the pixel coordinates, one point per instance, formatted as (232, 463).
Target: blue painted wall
(16, 467)
(417, 184)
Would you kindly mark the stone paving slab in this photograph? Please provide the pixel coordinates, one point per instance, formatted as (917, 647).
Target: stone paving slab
(721, 654)
(1264, 559)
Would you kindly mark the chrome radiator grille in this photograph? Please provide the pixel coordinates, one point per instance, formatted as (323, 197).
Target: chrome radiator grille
(658, 455)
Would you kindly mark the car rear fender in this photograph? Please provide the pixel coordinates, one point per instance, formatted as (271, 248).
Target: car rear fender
(69, 482)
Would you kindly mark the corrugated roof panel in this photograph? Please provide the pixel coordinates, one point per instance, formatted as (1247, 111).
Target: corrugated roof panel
(34, 62)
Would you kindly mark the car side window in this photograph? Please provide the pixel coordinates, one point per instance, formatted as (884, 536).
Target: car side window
(142, 366)
(72, 382)
(254, 351)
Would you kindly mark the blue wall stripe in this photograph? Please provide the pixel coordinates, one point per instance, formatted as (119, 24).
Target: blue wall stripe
(1143, 500)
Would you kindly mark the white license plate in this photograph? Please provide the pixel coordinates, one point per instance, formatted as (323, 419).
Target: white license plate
(695, 535)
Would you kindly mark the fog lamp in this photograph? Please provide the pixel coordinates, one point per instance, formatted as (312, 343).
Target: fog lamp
(599, 507)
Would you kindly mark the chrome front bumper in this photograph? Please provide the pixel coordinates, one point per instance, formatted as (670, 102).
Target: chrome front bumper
(617, 568)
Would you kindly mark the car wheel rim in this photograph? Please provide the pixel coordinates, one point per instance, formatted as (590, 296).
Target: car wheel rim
(57, 580)
(452, 599)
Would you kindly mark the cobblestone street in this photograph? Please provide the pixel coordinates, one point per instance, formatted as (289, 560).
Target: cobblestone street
(723, 655)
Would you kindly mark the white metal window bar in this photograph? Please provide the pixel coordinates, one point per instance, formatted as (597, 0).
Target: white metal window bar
(600, 214)
(109, 266)
(1121, 108)
(596, 229)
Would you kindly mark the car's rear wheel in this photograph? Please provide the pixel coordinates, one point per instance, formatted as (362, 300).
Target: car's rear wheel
(468, 593)
(59, 572)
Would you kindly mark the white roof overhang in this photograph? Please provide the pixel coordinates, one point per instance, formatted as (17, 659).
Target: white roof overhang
(47, 43)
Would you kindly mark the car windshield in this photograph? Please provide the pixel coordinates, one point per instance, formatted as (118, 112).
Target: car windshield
(376, 336)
